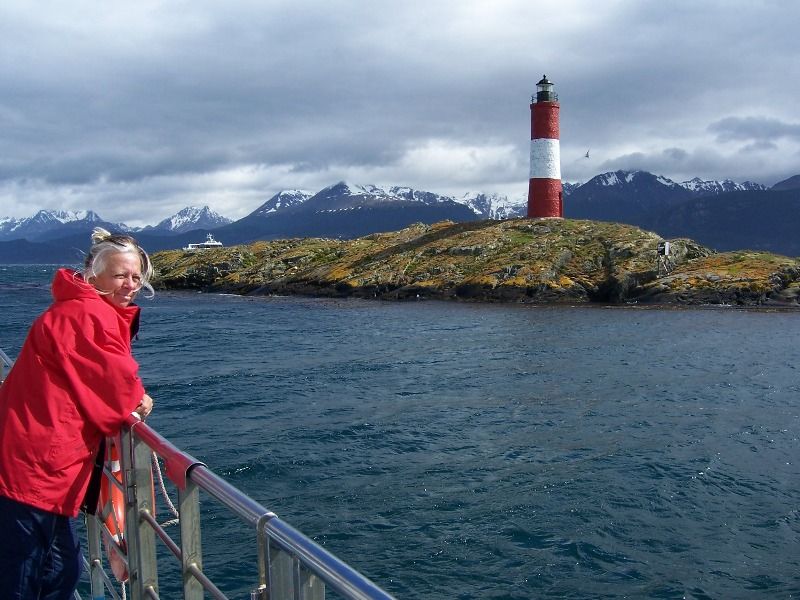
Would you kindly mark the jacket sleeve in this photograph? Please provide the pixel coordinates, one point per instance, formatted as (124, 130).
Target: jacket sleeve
(95, 367)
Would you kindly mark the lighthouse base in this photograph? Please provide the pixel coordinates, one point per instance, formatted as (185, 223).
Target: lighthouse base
(545, 198)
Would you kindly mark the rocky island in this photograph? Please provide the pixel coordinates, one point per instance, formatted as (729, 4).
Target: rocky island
(516, 260)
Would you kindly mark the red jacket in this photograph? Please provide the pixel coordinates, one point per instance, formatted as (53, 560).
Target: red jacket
(73, 383)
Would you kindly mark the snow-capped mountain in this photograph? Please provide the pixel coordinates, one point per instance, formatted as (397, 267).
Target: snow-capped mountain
(8, 224)
(628, 186)
(698, 187)
(46, 219)
(568, 187)
(47, 225)
(282, 200)
(722, 214)
(413, 195)
(623, 179)
(190, 218)
(708, 188)
(624, 196)
(495, 206)
(46, 222)
(348, 196)
(347, 210)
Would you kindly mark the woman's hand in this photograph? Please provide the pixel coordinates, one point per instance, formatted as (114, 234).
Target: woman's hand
(145, 406)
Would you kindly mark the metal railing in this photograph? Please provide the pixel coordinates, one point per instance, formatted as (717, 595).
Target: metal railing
(5, 365)
(290, 565)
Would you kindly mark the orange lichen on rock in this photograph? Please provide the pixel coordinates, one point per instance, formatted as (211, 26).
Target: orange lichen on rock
(517, 260)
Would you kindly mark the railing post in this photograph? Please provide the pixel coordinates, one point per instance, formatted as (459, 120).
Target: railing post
(5, 365)
(95, 552)
(311, 586)
(289, 579)
(281, 576)
(264, 581)
(191, 547)
(141, 539)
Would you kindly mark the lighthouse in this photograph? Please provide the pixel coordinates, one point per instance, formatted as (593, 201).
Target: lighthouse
(544, 188)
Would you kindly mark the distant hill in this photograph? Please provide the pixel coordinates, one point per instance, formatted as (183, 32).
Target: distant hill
(624, 197)
(793, 183)
(345, 210)
(757, 220)
(25, 252)
(721, 215)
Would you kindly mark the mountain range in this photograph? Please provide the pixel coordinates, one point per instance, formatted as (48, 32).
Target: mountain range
(48, 225)
(725, 215)
(721, 215)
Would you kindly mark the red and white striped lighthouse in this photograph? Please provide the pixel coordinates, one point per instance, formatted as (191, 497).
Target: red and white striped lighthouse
(544, 187)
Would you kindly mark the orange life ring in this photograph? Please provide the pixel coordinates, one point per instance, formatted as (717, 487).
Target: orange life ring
(112, 512)
(111, 506)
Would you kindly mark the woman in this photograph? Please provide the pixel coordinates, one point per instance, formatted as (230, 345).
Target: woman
(74, 383)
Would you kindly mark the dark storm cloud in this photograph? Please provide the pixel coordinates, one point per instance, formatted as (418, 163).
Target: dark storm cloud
(163, 96)
(269, 86)
(756, 129)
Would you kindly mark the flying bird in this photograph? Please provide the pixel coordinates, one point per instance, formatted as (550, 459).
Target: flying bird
(587, 154)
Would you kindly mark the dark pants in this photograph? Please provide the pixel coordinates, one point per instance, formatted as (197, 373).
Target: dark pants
(39, 553)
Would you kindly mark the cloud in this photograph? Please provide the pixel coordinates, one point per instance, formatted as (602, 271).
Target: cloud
(233, 192)
(166, 101)
(680, 163)
(758, 129)
(754, 162)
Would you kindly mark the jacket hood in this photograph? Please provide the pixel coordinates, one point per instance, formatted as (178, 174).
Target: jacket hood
(70, 285)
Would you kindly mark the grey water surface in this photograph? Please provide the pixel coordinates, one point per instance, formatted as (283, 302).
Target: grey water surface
(485, 451)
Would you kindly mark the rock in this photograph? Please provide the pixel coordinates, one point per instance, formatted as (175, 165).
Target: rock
(517, 260)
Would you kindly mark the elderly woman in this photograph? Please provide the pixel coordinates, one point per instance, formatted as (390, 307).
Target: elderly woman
(74, 383)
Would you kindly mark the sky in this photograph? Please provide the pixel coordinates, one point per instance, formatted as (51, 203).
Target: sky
(138, 109)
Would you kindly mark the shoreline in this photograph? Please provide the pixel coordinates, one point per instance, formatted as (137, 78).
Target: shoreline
(629, 305)
(518, 261)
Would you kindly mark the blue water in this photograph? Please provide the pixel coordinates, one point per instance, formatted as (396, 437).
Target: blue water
(485, 451)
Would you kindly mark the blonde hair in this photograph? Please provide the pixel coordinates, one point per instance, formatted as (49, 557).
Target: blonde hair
(105, 244)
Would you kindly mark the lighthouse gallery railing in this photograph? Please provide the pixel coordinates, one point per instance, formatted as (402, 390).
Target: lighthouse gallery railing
(290, 565)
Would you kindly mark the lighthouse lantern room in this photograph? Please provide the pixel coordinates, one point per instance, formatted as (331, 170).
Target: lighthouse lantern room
(544, 187)
(544, 91)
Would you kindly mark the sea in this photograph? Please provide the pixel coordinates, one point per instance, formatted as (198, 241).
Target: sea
(453, 450)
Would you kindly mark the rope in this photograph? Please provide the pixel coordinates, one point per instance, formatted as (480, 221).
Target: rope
(160, 477)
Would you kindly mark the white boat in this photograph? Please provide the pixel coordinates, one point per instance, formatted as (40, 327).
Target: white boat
(209, 243)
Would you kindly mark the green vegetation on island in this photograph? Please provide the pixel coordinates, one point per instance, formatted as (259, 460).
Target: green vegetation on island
(518, 260)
